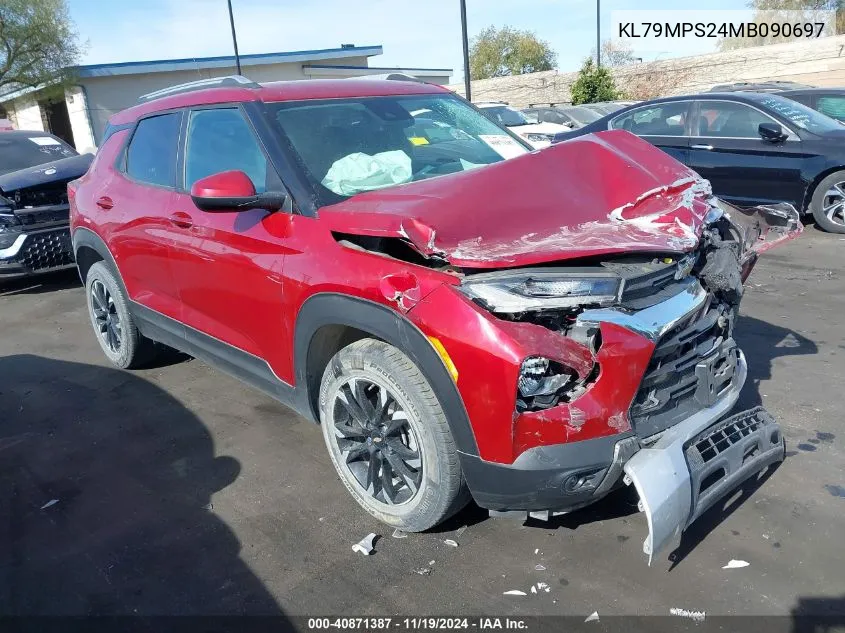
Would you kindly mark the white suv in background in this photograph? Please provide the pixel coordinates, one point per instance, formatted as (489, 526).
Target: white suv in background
(538, 135)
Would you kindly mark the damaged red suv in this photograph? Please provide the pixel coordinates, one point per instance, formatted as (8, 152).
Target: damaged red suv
(464, 317)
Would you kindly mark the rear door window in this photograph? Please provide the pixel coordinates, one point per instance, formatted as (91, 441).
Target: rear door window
(662, 119)
(832, 105)
(151, 156)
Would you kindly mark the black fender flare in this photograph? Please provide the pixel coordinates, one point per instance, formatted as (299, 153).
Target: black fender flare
(83, 237)
(327, 309)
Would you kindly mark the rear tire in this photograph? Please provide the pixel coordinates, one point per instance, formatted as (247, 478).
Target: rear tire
(828, 203)
(388, 437)
(114, 327)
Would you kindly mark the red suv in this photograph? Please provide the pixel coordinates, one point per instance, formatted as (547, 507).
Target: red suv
(463, 316)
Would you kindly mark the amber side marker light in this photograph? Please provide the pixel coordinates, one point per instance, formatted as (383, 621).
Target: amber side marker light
(444, 355)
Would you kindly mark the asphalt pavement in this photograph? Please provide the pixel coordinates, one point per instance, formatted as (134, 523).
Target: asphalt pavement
(178, 490)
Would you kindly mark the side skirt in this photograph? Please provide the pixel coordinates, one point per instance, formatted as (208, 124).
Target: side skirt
(239, 364)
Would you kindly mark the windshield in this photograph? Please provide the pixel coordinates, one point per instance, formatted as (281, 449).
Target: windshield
(799, 114)
(347, 146)
(19, 152)
(582, 115)
(504, 115)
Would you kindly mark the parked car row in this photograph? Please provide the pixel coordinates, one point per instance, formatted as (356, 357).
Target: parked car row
(754, 148)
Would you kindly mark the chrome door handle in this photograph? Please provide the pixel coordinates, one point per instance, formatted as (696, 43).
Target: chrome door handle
(707, 147)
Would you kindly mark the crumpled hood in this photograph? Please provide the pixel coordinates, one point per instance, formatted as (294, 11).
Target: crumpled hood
(596, 194)
(64, 169)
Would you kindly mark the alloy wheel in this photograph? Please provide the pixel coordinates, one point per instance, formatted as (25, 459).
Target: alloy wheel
(376, 442)
(833, 204)
(106, 320)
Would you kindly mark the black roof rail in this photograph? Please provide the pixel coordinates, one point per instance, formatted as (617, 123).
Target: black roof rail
(201, 84)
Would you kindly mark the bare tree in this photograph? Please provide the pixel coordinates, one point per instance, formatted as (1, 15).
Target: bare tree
(615, 54)
(654, 79)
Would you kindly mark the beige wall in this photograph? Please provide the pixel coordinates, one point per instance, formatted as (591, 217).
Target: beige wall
(108, 95)
(817, 62)
(27, 114)
(83, 137)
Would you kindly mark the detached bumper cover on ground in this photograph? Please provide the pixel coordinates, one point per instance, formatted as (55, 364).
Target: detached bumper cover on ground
(697, 462)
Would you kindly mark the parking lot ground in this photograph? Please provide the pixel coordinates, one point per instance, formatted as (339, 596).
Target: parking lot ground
(177, 490)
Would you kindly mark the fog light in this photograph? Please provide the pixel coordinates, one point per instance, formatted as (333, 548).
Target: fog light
(580, 482)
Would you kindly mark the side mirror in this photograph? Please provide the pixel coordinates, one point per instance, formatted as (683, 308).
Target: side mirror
(772, 132)
(232, 191)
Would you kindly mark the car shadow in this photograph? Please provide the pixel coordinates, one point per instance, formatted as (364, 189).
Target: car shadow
(763, 342)
(37, 284)
(106, 485)
(818, 615)
(716, 515)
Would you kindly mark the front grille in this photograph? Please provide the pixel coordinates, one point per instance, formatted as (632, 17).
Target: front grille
(42, 251)
(691, 367)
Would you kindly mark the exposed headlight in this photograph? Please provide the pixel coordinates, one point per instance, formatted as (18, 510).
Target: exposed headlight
(540, 290)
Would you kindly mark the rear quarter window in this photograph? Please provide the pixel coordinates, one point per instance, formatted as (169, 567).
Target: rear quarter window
(151, 155)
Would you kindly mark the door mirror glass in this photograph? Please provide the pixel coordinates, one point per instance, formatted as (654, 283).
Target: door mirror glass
(772, 132)
(232, 191)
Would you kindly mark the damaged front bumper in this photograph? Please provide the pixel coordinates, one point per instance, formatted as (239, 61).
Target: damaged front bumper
(697, 462)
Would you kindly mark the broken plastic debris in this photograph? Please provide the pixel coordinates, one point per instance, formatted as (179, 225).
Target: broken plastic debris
(460, 531)
(698, 616)
(736, 564)
(593, 617)
(451, 543)
(544, 586)
(423, 571)
(365, 545)
(514, 592)
(397, 533)
(536, 551)
(51, 502)
(539, 568)
(533, 589)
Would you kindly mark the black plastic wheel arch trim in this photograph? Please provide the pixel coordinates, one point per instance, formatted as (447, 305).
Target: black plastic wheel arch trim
(86, 237)
(332, 309)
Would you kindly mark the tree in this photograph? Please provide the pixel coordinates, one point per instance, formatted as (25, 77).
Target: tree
(593, 84)
(506, 51)
(37, 43)
(791, 11)
(615, 54)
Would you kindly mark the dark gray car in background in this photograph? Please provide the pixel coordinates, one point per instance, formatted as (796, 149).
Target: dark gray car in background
(35, 168)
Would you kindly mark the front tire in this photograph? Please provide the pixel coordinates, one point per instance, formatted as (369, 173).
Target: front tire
(828, 203)
(114, 327)
(388, 437)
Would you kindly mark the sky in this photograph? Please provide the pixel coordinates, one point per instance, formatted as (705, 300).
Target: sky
(414, 33)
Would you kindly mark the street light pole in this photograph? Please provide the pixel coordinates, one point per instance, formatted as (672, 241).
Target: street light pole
(598, 33)
(234, 38)
(467, 87)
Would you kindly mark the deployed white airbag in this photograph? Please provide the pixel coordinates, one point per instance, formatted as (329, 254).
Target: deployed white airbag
(361, 172)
